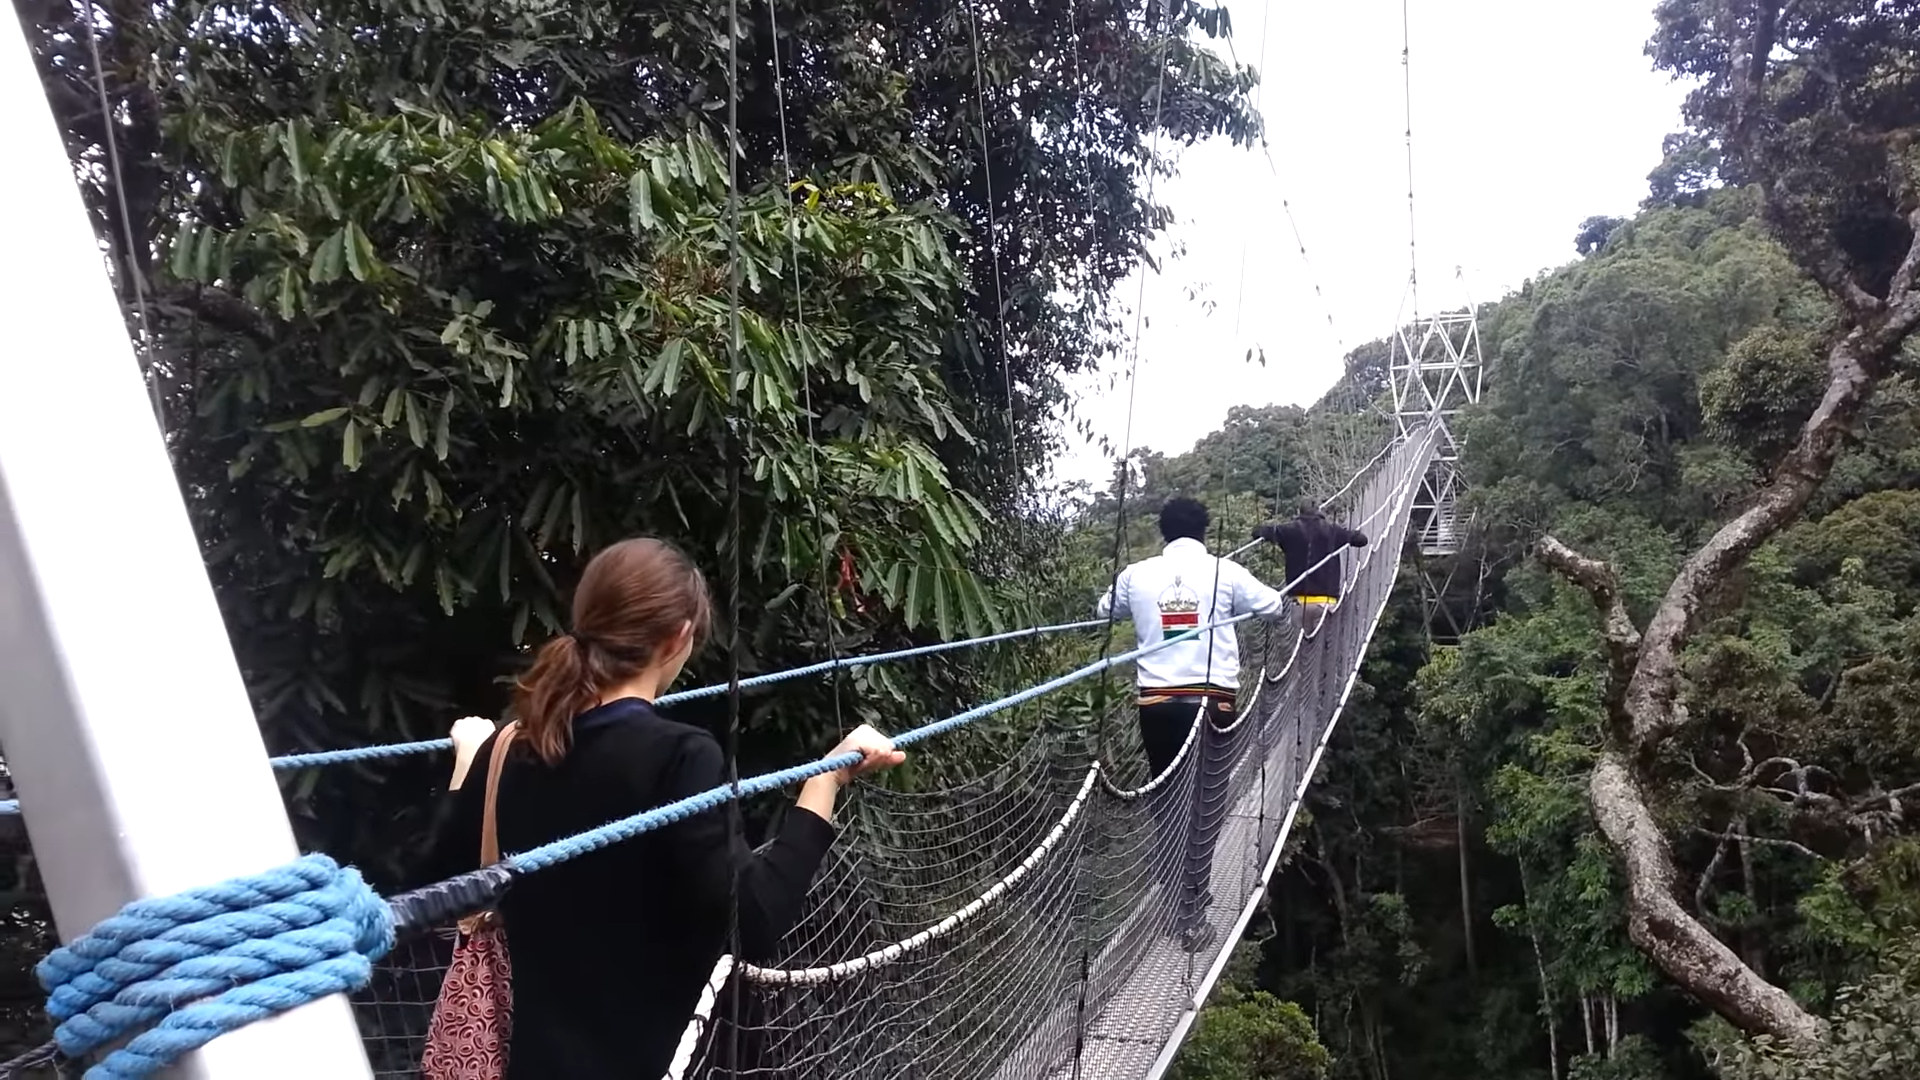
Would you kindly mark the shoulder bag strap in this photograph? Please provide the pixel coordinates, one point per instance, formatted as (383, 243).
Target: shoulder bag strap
(489, 825)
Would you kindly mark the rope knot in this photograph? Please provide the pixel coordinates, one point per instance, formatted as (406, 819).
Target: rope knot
(177, 972)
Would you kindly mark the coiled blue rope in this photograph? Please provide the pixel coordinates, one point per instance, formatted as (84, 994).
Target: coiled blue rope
(235, 953)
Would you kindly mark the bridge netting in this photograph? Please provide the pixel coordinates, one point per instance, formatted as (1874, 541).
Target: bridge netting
(1021, 924)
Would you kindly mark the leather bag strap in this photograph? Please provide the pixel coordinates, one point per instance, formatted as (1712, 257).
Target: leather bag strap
(489, 817)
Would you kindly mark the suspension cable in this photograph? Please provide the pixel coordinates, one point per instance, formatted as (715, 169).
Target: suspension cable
(736, 447)
(993, 253)
(116, 178)
(1406, 66)
(806, 376)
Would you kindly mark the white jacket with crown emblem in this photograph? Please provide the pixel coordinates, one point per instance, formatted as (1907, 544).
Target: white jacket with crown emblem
(1168, 593)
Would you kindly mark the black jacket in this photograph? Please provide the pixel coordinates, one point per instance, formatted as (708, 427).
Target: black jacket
(1305, 541)
(610, 950)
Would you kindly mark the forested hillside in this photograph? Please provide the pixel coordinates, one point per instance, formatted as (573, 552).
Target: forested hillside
(1453, 909)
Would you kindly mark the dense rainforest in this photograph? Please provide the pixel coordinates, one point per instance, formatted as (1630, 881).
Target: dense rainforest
(434, 298)
(1451, 907)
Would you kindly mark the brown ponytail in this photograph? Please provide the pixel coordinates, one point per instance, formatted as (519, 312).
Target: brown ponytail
(627, 610)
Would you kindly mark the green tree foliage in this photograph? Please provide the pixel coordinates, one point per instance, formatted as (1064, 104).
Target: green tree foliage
(1807, 108)
(438, 300)
(1251, 1036)
(1873, 1025)
(1248, 1034)
(1781, 673)
(1594, 232)
(1453, 907)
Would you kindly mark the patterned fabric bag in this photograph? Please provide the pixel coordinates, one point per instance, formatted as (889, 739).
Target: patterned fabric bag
(473, 1018)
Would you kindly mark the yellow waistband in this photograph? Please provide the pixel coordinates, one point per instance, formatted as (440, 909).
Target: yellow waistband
(1318, 599)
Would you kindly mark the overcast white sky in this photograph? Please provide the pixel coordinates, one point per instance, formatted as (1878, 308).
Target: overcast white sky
(1528, 116)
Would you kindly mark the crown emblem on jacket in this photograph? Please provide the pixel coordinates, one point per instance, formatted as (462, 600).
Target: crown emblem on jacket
(1179, 600)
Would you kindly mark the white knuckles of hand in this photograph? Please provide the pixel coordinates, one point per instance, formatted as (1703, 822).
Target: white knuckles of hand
(471, 730)
(866, 742)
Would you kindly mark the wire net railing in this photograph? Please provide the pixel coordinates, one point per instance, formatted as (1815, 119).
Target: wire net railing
(997, 929)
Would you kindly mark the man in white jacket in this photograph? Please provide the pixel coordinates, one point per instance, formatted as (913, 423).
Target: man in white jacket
(1180, 589)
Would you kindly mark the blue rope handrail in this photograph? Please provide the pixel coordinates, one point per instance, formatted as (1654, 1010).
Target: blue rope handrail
(387, 750)
(346, 755)
(626, 828)
(570, 847)
(312, 759)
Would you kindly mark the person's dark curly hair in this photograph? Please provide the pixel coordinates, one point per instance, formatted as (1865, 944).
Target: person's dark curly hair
(1183, 519)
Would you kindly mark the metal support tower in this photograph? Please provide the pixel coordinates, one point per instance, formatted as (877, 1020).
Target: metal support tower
(1435, 373)
(125, 724)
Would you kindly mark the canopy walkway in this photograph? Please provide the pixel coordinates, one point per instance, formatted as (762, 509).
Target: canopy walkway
(1017, 925)
(1010, 928)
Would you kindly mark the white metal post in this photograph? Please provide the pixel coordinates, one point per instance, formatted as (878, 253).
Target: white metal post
(125, 724)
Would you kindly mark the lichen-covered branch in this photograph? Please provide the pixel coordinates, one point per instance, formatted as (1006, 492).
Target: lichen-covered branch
(1643, 691)
(1856, 362)
(1657, 921)
(1666, 931)
(1601, 583)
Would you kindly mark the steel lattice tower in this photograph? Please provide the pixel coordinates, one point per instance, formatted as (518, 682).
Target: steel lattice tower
(1435, 373)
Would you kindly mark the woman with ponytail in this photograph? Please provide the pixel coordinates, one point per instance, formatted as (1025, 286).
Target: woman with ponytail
(609, 951)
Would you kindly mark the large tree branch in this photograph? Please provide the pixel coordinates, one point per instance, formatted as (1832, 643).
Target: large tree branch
(1659, 924)
(218, 308)
(1666, 931)
(1830, 269)
(1904, 274)
(1855, 365)
(1623, 638)
(1748, 71)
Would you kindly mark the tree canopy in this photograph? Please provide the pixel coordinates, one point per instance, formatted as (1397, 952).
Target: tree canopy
(438, 299)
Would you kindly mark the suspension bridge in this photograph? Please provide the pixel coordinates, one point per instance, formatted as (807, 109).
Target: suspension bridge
(1014, 926)
(1018, 931)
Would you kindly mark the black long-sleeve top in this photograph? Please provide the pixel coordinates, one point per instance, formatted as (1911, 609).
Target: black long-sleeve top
(1305, 541)
(610, 950)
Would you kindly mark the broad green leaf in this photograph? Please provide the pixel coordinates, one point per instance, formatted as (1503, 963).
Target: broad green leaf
(293, 144)
(668, 365)
(915, 595)
(442, 427)
(416, 420)
(180, 263)
(204, 254)
(943, 603)
(361, 260)
(329, 259)
(640, 197)
(350, 445)
(324, 416)
(289, 295)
